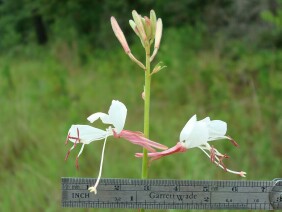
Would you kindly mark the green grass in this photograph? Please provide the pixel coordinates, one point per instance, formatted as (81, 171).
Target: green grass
(44, 91)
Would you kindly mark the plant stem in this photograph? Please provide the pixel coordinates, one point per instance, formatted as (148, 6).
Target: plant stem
(146, 115)
(146, 112)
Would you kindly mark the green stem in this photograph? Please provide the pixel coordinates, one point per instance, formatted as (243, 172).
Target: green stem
(146, 112)
(146, 115)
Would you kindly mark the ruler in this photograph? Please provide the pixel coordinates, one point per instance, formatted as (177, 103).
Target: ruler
(172, 194)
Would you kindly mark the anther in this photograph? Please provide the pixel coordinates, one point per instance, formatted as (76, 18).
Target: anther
(221, 162)
(78, 138)
(67, 155)
(212, 151)
(67, 140)
(233, 141)
(76, 163)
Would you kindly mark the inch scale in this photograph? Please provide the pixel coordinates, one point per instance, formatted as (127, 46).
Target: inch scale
(172, 194)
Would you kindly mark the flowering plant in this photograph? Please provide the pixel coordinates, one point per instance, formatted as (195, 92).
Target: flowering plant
(194, 134)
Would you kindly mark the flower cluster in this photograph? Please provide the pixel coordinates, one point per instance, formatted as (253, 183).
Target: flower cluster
(194, 134)
(147, 29)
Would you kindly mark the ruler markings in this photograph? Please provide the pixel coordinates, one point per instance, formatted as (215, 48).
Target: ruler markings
(172, 194)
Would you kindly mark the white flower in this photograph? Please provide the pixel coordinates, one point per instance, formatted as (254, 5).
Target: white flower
(85, 134)
(116, 117)
(198, 134)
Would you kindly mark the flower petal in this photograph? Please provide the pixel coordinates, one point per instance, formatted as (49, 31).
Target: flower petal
(117, 115)
(87, 134)
(217, 129)
(206, 120)
(95, 116)
(198, 136)
(194, 133)
(187, 129)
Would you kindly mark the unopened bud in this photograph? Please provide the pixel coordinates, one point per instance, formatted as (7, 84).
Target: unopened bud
(158, 36)
(153, 20)
(119, 34)
(148, 28)
(143, 95)
(139, 25)
(159, 32)
(157, 68)
(133, 26)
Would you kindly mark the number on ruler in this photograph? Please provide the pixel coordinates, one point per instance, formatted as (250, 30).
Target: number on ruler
(256, 200)
(147, 188)
(235, 188)
(205, 188)
(75, 187)
(228, 200)
(176, 188)
(206, 199)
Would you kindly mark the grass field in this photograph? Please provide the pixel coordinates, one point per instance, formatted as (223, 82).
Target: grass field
(45, 90)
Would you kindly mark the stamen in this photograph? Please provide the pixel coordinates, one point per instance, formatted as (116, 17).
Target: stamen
(76, 163)
(67, 140)
(233, 141)
(212, 154)
(70, 137)
(241, 173)
(77, 130)
(76, 160)
(220, 162)
(75, 143)
(94, 188)
(67, 155)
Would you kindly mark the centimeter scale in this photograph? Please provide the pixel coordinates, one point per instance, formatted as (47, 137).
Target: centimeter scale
(172, 194)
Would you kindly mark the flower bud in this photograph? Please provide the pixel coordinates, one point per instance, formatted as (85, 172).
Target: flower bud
(139, 25)
(153, 20)
(119, 34)
(148, 28)
(159, 31)
(133, 26)
(143, 95)
(157, 68)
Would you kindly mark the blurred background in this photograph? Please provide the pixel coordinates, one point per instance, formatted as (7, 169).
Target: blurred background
(60, 62)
